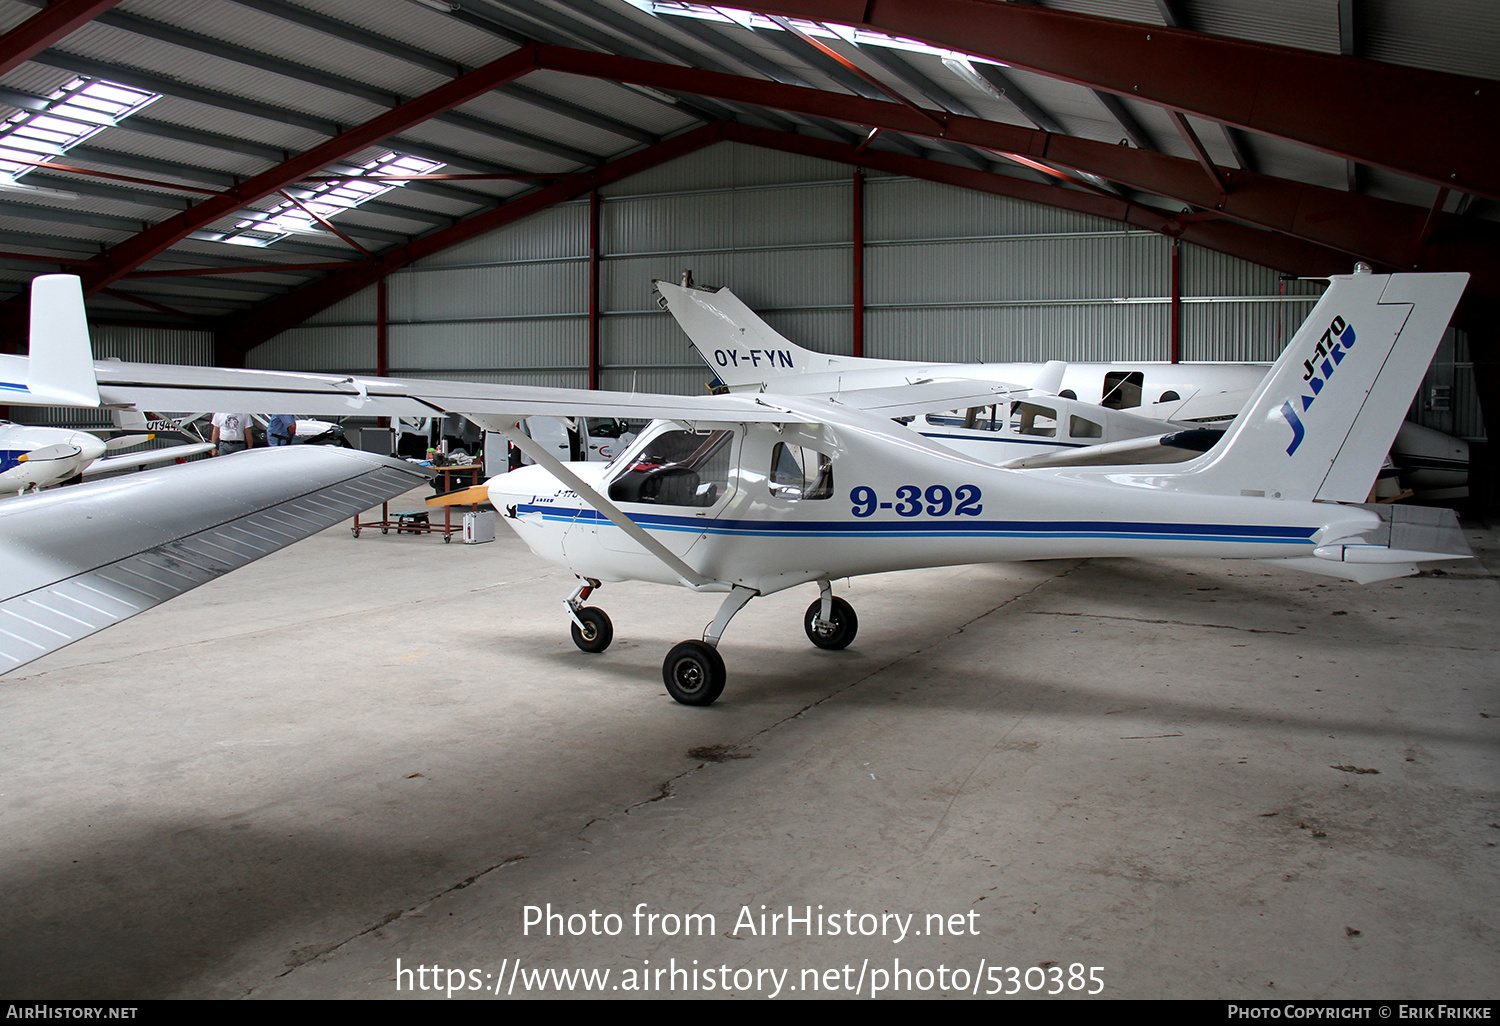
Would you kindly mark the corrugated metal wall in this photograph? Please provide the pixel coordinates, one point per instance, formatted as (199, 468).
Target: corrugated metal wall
(950, 275)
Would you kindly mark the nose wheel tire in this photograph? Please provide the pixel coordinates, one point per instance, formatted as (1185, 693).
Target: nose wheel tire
(840, 629)
(597, 630)
(694, 673)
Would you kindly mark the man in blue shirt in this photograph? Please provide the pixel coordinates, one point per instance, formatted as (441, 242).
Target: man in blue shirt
(281, 429)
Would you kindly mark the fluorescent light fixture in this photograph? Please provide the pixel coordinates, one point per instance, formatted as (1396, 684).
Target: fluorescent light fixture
(9, 184)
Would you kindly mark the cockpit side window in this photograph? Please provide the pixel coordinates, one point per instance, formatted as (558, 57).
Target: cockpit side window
(1031, 419)
(798, 472)
(676, 468)
(1082, 427)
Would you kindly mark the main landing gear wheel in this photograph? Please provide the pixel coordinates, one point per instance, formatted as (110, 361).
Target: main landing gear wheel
(841, 628)
(597, 631)
(694, 673)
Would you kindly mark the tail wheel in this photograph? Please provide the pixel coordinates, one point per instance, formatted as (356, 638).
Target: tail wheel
(694, 673)
(839, 629)
(597, 631)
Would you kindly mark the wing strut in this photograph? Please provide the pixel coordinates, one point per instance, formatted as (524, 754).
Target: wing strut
(559, 470)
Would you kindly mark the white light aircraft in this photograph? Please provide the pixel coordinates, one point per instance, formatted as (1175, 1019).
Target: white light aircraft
(1100, 414)
(33, 458)
(747, 495)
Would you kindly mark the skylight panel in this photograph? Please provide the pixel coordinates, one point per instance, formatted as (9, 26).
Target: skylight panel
(749, 19)
(80, 109)
(326, 200)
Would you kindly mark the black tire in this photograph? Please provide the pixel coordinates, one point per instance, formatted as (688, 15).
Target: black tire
(597, 631)
(845, 625)
(694, 673)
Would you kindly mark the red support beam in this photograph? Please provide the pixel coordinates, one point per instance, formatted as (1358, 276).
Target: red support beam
(1205, 161)
(151, 304)
(284, 312)
(1363, 227)
(859, 262)
(1174, 346)
(55, 21)
(329, 225)
(594, 288)
(120, 260)
(1438, 127)
(382, 331)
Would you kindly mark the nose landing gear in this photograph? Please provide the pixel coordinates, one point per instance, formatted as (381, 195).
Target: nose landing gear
(591, 628)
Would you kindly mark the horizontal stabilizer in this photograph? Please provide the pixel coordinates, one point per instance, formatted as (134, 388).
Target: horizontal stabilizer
(1407, 535)
(83, 558)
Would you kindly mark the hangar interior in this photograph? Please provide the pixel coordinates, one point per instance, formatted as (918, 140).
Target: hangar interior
(483, 190)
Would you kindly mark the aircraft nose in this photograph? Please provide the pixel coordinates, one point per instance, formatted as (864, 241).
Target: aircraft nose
(92, 446)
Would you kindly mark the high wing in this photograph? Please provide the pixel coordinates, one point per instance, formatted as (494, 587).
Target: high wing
(494, 407)
(83, 558)
(57, 323)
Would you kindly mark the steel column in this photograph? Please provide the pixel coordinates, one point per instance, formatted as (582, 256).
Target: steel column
(382, 331)
(859, 262)
(594, 288)
(1175, 347)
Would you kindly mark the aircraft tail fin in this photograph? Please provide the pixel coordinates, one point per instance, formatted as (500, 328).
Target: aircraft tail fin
(61, 366)
(738, 345)
(1050, 378)
(1324, 418)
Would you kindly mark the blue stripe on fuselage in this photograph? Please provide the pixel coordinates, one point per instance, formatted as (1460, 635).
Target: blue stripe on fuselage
(944, 528)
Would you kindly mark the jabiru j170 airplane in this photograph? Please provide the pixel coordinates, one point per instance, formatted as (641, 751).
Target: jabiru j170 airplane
(747, 495)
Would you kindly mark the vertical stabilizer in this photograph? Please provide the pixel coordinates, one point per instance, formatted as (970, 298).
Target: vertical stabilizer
(61, 366)
(1322, 421)
(740, 347)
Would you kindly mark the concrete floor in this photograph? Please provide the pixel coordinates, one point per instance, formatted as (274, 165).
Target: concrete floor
(1208, 779)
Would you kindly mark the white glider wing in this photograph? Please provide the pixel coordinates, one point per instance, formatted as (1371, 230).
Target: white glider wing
(83, 558)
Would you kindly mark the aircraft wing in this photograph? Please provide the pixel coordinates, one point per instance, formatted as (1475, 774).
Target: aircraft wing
(159, 387)
(152, 386)
(109, 464)
(84, 558)
(921, 397)
(1173, 447)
